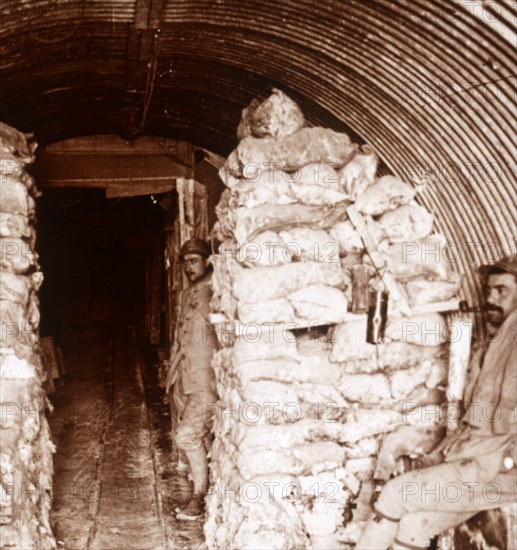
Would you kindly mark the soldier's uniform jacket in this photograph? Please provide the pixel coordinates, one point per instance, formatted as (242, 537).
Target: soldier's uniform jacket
(196, 340)
(491, 418)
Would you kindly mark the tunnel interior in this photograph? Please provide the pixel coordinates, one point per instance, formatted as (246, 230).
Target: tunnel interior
(429, 85)
(93, 252)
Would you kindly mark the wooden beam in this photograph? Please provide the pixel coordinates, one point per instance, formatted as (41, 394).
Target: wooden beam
(135, 190)
(106, 170)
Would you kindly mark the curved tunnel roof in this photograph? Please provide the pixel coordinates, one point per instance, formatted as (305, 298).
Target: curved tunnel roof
(430, 84)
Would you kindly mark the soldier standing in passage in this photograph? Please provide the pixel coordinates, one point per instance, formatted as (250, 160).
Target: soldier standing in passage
(475, 466)
(191, 374)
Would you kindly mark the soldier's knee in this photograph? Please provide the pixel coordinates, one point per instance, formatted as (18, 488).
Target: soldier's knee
(188, 439)
(389, 502)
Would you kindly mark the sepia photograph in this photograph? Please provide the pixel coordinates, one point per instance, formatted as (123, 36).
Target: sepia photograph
(258, 275)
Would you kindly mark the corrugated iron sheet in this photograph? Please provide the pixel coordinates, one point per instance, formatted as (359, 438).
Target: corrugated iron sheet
(430, 84)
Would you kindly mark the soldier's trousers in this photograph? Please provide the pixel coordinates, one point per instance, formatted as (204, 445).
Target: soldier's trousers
(432, 500)
(195, 420)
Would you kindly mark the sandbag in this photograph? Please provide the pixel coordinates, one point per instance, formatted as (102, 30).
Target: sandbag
(16, 255)
(14, 288)
(416, 260)
(422, 330)
(349, 240)
(307, 244)
(359, 172)
(277, 116)
(14, 196)
(351, 332)
(266, 311)
(317, 173)
(428, 292)
(248, 222)
(271, 186)
(388, 357)
(365, 388)
(387, 193)
(267, 248)
(267, 283)
(306, 459)
(405, 381)
(407, 223)
(14, 142)
(319, 303)
(307, 146)
(14, 225)
(316, 195)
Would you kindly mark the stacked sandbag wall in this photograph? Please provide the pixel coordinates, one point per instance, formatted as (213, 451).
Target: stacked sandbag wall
(26, 448)
(310, 414)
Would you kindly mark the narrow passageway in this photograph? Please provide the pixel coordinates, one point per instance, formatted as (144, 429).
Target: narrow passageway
(116, 484)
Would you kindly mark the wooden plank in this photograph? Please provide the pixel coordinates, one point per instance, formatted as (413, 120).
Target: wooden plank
(156, 292)
(437, 307)
(137, 189)
(112, 167)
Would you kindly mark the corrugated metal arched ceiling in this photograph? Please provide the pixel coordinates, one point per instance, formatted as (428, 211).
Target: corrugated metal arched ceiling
(431, 84)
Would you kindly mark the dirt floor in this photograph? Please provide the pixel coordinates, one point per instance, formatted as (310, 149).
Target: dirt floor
(116, 480)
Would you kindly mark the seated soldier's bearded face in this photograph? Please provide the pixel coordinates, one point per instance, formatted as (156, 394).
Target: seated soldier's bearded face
(501, 292)
(194, 266)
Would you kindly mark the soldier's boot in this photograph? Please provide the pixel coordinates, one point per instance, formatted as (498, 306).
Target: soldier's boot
(198, 463)
(378, 534)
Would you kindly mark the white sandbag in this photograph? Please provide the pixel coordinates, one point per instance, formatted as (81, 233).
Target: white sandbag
(14, 288)
(16, 255)
(310, 458)
(266, 249)
(246, 223)
(286, 368)
(405, 381)
(14, 225)
(277, 116)
(267, 311)
(416, 260)
(270, 186)
(422, 330)
(14, 196)
(317, 173)
(306, 146)
(365, 388)
(309, 245)
(388, 357)
(316, 195)
(407, 223)
(349, 240)
(387, 193)
(267, 283)
(319, 303)
(358, 173)
(428, 292)
(351, 332)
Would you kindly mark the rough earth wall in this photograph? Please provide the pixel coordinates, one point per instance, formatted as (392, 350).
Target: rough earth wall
(26, 448)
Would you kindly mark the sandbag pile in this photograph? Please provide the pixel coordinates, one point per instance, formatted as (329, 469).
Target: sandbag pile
(26, 451)
(303, 421)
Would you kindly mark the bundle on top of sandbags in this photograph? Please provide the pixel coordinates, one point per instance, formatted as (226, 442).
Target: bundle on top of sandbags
(277, 116)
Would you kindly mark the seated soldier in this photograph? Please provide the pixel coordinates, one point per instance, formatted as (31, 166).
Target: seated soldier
(476, 469)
